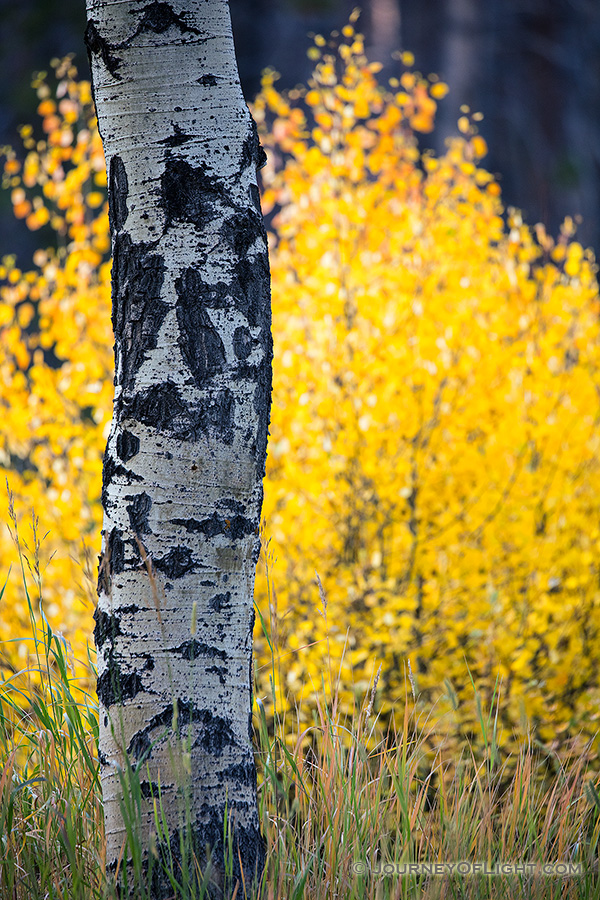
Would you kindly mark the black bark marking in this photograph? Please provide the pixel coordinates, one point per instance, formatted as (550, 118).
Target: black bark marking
(149, 664)
(203, 852)
(139, 746)
(253, 297)
(178, 137)
(254, 194)
(138, 312)
(118, 190)
(176, 563)
(128, 445)
(115, 687)
(220, 601)
(159, 406)
(103, 585)
(138, 511)
(250, 290)
(261, 374)
(262, 407)
(252, 152)
(216, 732)
(107, 627)
(201, 346)
(230, 504)
(246, 292)
(235, 527)
(110, 469)
(96, 44)
(209, 79)
(242, 342)
(157, 17)
(113, 561)
(244, 773)
(116, 551)
(214, 296)
(149, 789)
(242, 230)
(162, 407)
(131, 609)
(219, 671)
(195, 649)
(189, 194)
(210, 296)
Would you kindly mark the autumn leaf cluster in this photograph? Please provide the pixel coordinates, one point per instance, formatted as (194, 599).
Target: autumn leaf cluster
(435, 426)
(435, 429)
(55, 359)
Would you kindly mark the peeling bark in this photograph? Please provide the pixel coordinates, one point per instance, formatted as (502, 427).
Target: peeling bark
(185, 458)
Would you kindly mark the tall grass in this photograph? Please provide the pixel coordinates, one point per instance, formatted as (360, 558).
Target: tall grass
(50, 815)
(347, 808)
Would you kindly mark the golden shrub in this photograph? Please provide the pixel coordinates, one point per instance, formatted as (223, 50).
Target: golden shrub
(435, 427)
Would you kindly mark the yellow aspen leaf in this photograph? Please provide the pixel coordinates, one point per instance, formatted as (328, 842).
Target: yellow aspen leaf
(421, 121)
(95, 199)
(12, 166)
(51, 126)
(479, 145)
(46, 107)
(361, 108)
(438, 90)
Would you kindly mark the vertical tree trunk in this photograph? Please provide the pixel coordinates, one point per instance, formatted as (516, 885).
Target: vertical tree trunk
(182, 487)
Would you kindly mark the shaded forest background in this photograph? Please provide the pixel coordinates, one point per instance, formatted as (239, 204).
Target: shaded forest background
(531, 66)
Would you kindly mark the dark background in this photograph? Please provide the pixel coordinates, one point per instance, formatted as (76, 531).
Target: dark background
(532, 67)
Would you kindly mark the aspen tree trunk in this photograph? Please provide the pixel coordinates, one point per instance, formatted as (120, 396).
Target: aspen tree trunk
(182, 483)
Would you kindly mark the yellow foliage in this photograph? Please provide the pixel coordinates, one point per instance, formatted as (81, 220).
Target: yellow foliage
(435, 426)
(55, 359)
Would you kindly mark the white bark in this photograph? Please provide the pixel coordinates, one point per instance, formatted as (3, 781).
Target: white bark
(186, 452)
